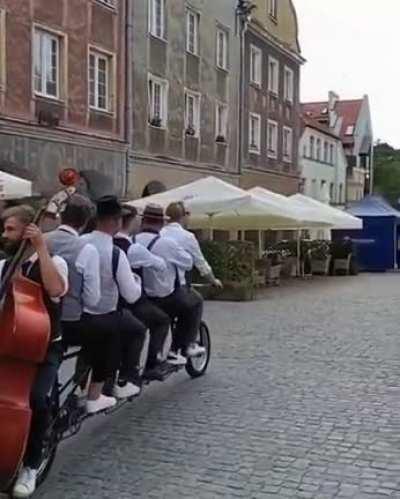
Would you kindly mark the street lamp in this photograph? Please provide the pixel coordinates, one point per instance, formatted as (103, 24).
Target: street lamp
(244, 9)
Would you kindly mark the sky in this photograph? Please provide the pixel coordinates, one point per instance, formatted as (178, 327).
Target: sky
(352, 47)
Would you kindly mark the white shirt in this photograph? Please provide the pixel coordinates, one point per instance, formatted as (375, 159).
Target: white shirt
(125, 284)
(62, 270)
(88, 265)
(189, 243)
(140, 257)
(161, 284)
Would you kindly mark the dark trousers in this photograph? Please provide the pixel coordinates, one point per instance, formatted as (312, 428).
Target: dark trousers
(45, 382)
(99, 337)
(186, 306)
(133, 335)
(158, 323)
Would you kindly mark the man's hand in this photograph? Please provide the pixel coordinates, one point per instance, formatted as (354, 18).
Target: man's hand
(35, 236)
(217, 284)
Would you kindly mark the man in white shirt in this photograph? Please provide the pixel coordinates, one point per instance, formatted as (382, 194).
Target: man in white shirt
(100, 347)
(116, 279)
(51, 273)
(165, 288)
(155, 319)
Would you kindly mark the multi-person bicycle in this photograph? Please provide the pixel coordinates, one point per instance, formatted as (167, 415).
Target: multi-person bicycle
(69, 414)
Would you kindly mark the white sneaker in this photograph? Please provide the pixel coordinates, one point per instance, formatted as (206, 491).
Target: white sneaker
(176, 359)
(100, 404)
(26, 483)
(194, 350)
(128, 390)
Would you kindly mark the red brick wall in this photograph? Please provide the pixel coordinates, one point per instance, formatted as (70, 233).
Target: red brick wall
(84, 23)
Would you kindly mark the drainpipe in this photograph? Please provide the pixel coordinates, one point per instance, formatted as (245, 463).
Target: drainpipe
(128, 85)
(244, 9)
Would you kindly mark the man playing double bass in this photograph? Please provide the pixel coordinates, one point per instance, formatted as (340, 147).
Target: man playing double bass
(52, 274)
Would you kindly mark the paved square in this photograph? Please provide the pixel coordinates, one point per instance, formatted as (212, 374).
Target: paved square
(302, 399)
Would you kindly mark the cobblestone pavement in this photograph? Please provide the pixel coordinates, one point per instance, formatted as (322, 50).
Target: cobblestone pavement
(302, 399)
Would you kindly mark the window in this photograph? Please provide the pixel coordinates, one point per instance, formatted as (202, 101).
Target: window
(350, 130)
(192, 32)
(326, 152)
(272, 139)
(255, 133)
(255, 65)
(331, 192)
(99, 81)
(312, 141)
(341, 200)
(304, 150)
(222, 48)
(331, 154)
(157, 18)
(158, 102)
(46, 55)
(273, 8)
(221, 122)
(288, 85)
(273, 75)
(318, 156)
(192, 114)
(287, 144)
(110, 3)
(314, 188)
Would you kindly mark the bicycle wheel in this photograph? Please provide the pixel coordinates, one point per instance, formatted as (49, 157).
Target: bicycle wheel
(197, 366)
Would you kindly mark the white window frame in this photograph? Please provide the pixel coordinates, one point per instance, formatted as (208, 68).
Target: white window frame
(164, 89)
(255, 148)
(318, 149)
(273, 9)
(192, 14)
(189, 94)
(38, 31)
(108, 58)
(153, 27)
(326, 152)
(287, 149)
(221, 125)
(222, 64)
(272, 141)
(312, 147)
(273, 82)
(255, 65)
(288, 85)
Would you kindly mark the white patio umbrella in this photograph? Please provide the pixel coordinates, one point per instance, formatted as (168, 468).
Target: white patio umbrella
(338, 218)
(307, 217)
(12, 187)
(206, 197)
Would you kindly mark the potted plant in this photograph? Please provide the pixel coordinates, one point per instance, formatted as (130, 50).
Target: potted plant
(320, 257)
(190, 131)
(156, 121)
(342, 255)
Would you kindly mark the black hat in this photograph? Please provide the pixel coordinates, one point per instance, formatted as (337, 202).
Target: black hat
(108, 206)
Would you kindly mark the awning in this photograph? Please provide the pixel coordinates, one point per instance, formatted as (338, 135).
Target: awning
(12, 187)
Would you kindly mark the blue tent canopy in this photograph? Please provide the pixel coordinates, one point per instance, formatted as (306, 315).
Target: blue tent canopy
(377, 244)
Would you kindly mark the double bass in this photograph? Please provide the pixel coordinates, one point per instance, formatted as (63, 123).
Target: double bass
(24, 339)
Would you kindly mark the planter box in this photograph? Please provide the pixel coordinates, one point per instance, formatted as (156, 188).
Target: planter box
(273, 275)
(320, 267)
(342, 265)
(233, 291)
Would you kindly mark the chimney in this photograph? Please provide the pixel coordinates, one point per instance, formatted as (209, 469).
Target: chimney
(333, 98)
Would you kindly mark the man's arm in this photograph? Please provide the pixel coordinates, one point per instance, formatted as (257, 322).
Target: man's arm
(201, 263)
(88, 265)
(130, 286)
(177, 255)
(141, 257)
(53, 281)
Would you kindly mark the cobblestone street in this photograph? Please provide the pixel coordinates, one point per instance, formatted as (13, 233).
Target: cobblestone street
(302, 399)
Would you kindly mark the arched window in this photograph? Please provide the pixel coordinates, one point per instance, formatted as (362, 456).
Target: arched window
(153, 187)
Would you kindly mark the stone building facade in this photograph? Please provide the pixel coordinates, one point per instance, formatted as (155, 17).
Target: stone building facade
(62, 88)
(271, 125)
(185, 57)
